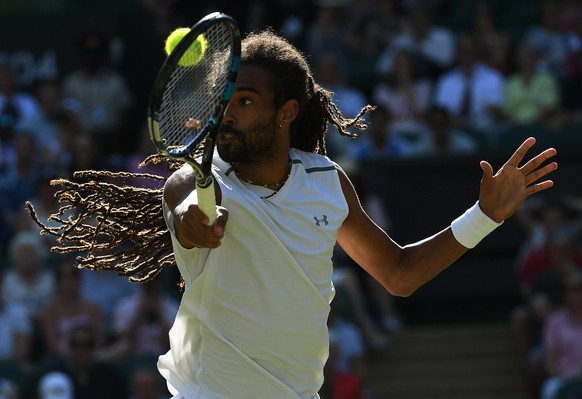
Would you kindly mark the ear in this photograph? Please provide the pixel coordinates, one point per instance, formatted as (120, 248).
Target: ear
(288, 112)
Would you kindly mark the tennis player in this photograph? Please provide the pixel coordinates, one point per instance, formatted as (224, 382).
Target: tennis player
(252, 323)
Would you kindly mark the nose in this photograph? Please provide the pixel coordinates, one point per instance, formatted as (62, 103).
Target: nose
(228, 118)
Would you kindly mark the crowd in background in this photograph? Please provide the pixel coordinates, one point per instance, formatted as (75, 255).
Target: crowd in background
(443, 84)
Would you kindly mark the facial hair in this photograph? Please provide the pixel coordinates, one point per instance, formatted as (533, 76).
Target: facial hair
(256, 144)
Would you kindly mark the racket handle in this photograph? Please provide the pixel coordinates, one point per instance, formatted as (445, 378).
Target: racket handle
(207, 202)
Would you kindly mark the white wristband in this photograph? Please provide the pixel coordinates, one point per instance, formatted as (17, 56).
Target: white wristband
(473, 226)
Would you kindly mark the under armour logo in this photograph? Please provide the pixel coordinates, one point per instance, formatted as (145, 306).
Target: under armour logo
(319, 221)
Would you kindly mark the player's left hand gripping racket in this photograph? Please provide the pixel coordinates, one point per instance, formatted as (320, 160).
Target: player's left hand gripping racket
(190, 96)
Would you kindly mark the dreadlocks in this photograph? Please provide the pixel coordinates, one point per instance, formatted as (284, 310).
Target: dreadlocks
(115, 227)
(120, 228)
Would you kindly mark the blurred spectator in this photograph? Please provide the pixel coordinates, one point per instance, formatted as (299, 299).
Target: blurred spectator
(492, 45)
(56, 385)
(346, 363)
(571, 80)
(330, 72)
(530, 95)
(16, 107)
(68, 309)
(91, 378)
(292, 18)
(328, 32)
(378, 142)
(562, 340)
(27, 282)
(142, 321)
(432, 46)
(443, 138)
(54, 108)
(548, 38)
(106, 289)
(539, 216)
(147, 383)
(8, 389)
(18, 182)
(472, 91)
(541, 277)
(15, 331)
(406, 94)
(145, 148)
(102, 93)
(45, 204)
(373, 25)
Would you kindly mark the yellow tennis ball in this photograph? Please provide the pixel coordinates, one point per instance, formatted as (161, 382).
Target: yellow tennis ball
(195, 52)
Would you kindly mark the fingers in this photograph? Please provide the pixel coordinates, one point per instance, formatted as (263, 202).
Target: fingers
(539, 173)
(195, 230)
(536, 161)
(519, 154)
(487, 169)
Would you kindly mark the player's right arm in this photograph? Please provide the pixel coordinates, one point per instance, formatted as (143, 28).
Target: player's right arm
(187, 221)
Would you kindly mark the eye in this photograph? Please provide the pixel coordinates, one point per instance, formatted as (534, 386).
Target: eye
(245, 101)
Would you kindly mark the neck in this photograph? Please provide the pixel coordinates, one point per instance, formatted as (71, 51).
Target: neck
(272, 174)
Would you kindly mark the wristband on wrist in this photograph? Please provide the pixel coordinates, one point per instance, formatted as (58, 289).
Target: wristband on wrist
(473, 226)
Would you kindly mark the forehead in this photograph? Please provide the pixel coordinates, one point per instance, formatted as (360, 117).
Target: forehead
(254, 78)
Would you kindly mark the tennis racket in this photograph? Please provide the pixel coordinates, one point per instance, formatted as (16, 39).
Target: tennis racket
(190, 96)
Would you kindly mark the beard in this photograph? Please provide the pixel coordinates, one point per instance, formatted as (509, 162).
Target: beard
(254, 145)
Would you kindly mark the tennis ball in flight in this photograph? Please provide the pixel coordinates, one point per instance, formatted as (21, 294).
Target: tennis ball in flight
(195, 52)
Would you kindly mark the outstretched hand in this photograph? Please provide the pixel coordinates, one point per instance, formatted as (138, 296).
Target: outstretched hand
(503, 192)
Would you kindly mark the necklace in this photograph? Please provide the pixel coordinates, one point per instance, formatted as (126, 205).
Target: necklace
(273, 186)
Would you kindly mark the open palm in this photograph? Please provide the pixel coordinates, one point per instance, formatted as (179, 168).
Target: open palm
(503, 192)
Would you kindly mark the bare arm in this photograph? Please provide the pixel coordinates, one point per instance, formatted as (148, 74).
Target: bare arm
(403, 269)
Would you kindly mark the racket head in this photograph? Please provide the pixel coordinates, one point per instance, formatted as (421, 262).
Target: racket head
(189, 98)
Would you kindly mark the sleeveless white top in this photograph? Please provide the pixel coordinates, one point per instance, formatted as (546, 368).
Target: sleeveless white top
(252, 322)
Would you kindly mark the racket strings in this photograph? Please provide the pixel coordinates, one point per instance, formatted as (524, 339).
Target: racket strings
(194, 93)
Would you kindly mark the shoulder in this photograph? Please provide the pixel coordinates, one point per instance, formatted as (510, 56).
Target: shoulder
(312, 162)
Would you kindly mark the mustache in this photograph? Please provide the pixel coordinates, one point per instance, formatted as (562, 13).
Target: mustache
(231, 130)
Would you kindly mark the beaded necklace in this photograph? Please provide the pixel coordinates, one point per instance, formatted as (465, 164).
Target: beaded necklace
(273, 186)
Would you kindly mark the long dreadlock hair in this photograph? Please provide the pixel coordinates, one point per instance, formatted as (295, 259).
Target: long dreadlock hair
(119, 227)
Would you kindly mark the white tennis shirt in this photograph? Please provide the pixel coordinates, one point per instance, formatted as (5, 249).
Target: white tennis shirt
(252, 322)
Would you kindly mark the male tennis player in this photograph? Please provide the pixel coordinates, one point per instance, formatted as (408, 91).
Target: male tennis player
(252, 323)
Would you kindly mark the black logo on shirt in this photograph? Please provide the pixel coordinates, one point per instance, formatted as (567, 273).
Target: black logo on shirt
(319, 221)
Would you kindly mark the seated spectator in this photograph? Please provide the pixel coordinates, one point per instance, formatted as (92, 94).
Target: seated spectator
(443, 137)
(142, 322)
(405, 94)
(18, 181)
(331, 73)
(492, 44)
(15, 332)
(530, 94)
(147, 383)
(27, 282)
(102, 93)
(548, 38)
(68, 309)
(16, 107)
(562, 340)
(472, 91)
(379, 142)
(328, 31)
(541, 278)
(145, 148)
(432, 46)
(92, 379)
(346, 363)
(106, 289)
